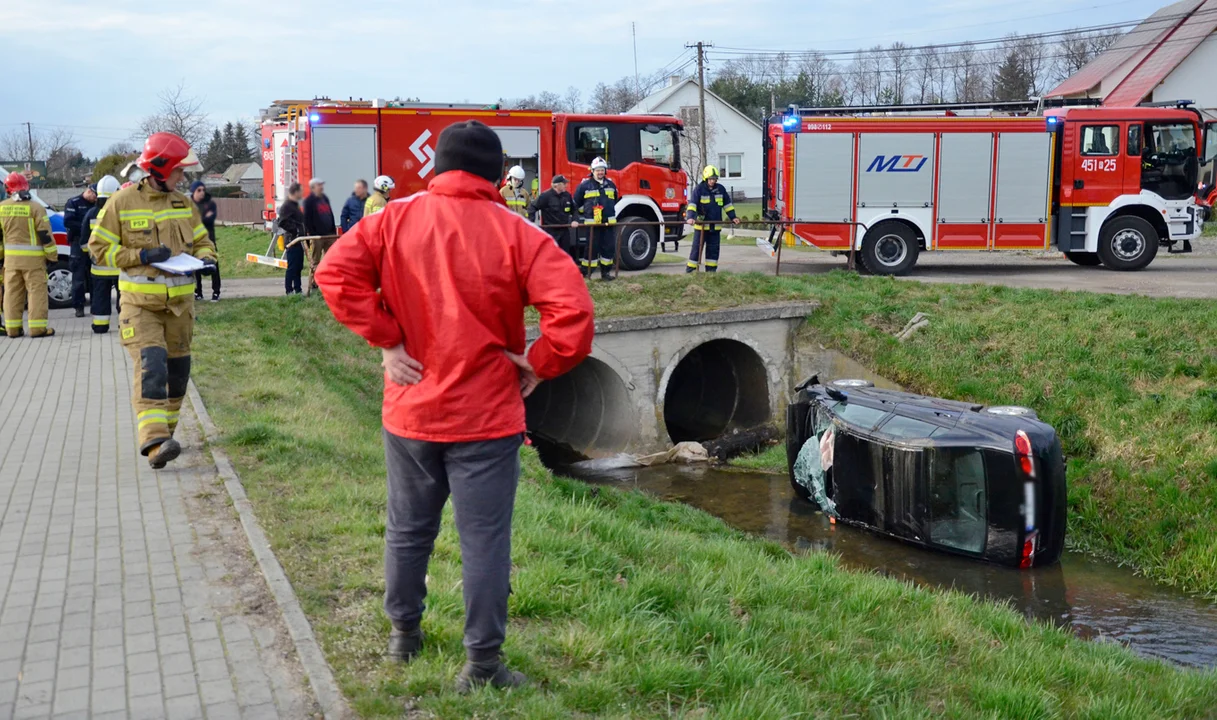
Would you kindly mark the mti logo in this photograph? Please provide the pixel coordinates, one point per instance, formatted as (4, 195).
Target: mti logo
(897, 163)
(424, 153)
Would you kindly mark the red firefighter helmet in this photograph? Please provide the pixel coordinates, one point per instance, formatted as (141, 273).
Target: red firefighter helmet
(16, 182)
(163, 153)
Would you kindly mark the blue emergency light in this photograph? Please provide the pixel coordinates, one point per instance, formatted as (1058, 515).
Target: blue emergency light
(792, 123)
(1051, 123)
(315, 117)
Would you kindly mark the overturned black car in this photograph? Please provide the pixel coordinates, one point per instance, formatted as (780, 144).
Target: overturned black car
(977, 481)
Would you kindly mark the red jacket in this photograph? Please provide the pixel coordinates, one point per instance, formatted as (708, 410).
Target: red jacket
(455, 269)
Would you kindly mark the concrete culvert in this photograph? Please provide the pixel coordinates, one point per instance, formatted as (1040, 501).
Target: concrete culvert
(719, 386)
(586, 411)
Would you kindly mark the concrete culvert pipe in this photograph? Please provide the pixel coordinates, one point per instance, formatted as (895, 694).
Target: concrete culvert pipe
(586, 411)
(719, 386)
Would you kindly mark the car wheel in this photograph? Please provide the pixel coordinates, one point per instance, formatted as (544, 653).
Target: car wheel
(59, 285)
(638, 244)
(1085, 259)
(890, 248)
(851, 383)
(1128, 243)
(1010, 411)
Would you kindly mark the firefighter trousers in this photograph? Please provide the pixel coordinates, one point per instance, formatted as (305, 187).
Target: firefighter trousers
(79, 263)
(711, 238)
(159, 344)
(99, 302)
(603, 247)
(21, 286)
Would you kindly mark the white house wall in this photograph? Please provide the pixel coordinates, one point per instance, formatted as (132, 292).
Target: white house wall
(732, 133)
(1193, 79)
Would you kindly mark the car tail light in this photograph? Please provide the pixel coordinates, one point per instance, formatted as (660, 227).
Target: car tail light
(1022, 453)
(1028, 551)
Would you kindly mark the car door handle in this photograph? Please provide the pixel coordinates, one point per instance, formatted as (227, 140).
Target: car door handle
(1079, 184)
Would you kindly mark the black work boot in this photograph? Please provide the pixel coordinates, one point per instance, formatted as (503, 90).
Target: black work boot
(606, 273)
(493, 673)
(80, 312)
(163, 454)
(405, 643)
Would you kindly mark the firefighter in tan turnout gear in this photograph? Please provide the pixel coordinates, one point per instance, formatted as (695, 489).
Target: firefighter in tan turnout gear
(27, 248)
(147, 223)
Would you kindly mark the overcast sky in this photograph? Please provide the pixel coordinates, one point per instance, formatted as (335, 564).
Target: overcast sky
(97, 67)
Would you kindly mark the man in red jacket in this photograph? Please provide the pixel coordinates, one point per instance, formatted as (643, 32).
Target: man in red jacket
(455, 269)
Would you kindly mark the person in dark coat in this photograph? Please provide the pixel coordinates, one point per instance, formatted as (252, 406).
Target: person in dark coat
(352, 209)
(207, 208)
(78, 261)
(557, 207)
(291, 223)
(319, 221)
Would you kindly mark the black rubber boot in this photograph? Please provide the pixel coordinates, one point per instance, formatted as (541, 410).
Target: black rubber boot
(163, 454)
(606, 273)
(493, 673)
(80, 312)
(405, 644)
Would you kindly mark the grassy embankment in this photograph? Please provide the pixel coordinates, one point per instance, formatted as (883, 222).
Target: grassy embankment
(625, 606)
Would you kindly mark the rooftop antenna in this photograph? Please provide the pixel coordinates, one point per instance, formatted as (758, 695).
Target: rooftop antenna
(634, 34)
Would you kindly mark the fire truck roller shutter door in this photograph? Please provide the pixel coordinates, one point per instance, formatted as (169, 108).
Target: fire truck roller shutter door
(343, 154)
(823, 177)
(896, 170)
(1024, 165)
(965, 182)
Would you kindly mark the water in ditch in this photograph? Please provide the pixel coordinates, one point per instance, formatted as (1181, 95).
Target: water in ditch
(1094, 599)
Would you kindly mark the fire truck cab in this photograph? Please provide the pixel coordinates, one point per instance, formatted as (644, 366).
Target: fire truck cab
(1104, 186)
(341, 142)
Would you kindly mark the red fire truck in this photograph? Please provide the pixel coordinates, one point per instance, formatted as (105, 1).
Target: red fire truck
(1102, 185)
(340, 142)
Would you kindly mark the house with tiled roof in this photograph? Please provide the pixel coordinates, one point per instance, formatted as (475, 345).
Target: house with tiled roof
(1170, 56)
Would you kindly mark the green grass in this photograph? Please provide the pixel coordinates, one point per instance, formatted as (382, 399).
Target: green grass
(624, 606)
(234, 242)
(771, 459)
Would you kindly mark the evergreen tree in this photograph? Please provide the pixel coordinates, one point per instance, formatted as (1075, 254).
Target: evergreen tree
(1013, 81)
(241, 152)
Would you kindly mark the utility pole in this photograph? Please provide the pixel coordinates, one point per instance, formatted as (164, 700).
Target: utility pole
(29, 134)
(637, 85)
(701, 98)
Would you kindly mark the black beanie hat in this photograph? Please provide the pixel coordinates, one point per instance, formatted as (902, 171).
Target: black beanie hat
(472, 147)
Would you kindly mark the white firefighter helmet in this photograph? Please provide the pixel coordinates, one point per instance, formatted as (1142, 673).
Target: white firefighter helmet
(383, 183)
(107, 186)
(599, 164)
(516, 173)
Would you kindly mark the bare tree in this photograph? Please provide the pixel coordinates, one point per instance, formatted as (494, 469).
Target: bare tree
(35, 144)
(968, 76)
(900, 64)
(1078, 48)
(179, 114)
(926, 75)
(693, 157)
(573, 100)
(122, 147)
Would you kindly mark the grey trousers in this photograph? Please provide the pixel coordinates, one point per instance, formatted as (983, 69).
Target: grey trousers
(482, 479)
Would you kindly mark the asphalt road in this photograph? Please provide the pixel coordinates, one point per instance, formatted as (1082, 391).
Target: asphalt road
(1183, 276)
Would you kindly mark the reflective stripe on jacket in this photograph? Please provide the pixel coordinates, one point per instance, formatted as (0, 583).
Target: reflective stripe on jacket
(596, 202)
(517, 199)
(707, 205)
(23, 228)
(141, 217)
(375, 203)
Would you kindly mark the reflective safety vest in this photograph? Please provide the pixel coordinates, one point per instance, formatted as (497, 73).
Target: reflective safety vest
(23, 228)
(375, 203)
(517, 199)
(141, 217)
(707, 205)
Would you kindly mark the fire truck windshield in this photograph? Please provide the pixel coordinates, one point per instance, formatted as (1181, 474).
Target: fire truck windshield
(1169, 166)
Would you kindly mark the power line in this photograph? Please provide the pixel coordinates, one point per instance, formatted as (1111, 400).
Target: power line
(1158, 24)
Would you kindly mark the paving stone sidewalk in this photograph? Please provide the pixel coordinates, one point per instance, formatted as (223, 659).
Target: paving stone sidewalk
(124, 592)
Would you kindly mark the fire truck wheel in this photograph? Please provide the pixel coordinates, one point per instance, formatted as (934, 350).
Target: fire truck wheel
(638, 244)
(1128, 243)
(889, 248)
(1084, 259)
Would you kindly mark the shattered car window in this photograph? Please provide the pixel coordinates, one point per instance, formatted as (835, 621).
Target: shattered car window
(957, 498)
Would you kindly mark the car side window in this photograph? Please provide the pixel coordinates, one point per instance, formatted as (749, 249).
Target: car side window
(906, 428)
(958, 500)
(860, 415)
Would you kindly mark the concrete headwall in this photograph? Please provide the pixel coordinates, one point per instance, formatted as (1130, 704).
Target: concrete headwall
(655, 380)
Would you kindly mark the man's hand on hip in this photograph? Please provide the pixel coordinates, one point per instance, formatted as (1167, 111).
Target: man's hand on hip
(528, 377)
(400, 367)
